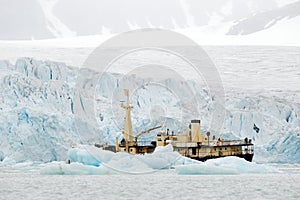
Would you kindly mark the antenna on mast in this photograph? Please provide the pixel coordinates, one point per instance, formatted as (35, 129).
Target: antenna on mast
(127, 132)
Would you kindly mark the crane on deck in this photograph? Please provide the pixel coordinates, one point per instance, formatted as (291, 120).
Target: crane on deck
(145, 131)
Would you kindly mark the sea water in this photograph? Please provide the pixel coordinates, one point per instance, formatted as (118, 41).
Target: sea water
(163, 184)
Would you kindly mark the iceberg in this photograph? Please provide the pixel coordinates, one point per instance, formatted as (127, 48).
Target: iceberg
(89, 155)
(87, 160)
(226, 165)
(162, 159)
(61, 168)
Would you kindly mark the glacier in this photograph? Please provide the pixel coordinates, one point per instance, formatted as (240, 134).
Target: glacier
(45, 106)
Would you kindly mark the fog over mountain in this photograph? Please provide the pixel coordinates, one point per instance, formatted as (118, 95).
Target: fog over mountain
(22, 20)
(40, 19)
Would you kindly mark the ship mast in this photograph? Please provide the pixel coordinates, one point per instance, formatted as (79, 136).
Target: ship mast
(127, 132)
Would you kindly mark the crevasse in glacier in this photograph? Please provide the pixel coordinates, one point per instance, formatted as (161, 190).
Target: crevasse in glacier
(45, 106)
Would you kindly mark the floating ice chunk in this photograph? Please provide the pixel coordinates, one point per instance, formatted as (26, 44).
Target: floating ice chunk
(8, 161)
(128, 164)
(163, 157)
(163, 149)
(89, 155)
(241, 165)
(85, 161)
(60, 168)
(82, 156)
(203, 168)
(227, 165)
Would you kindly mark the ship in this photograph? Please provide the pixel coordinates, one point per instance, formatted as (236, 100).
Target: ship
(190, 143)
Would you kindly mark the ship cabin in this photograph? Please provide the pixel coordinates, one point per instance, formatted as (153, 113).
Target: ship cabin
(191, 143)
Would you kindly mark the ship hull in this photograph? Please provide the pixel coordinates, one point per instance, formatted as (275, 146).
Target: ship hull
(247, 157)
(149, 149)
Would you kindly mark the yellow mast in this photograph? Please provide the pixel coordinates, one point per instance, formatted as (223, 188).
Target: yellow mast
(127, 132)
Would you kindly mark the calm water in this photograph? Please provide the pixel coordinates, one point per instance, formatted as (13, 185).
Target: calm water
(161, 185)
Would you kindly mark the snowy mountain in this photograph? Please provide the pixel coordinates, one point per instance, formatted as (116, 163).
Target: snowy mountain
(265, 20)
(45, 106)
(40, 19)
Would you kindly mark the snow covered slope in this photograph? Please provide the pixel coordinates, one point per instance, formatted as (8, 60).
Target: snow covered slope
(213, 21)
(44, 107)
(265, 20)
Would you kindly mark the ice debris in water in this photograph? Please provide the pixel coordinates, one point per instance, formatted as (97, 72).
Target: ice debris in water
(89, 160)
(226, 165)
(92, 160)
(61, 168)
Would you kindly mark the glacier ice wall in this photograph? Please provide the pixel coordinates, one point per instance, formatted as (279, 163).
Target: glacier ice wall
(45, 106)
